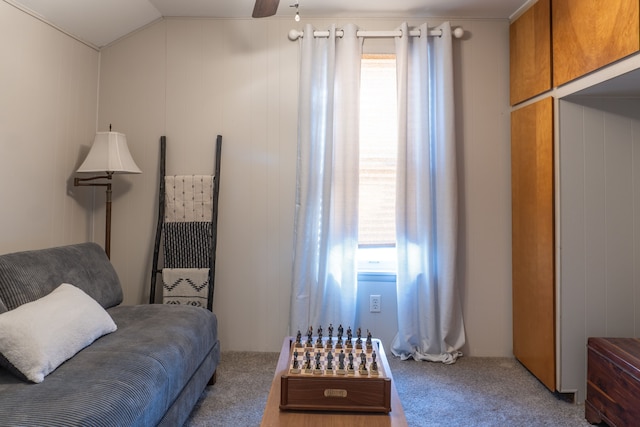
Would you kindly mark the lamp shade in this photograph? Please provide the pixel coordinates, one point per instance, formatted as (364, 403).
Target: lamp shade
(109, 153)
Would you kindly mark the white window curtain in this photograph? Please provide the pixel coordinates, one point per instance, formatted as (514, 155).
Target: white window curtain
(430, 324)
(326, 230)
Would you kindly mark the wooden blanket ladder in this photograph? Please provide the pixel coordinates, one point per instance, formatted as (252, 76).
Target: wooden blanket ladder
(164, 229)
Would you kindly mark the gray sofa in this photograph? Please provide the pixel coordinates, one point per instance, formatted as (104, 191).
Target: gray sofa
(150, 371)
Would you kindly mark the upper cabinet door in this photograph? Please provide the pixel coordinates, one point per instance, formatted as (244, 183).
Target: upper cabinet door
(530, 53)
(589, 34)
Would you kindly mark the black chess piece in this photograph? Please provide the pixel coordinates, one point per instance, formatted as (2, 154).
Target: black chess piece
(363, 361)
(309, 335)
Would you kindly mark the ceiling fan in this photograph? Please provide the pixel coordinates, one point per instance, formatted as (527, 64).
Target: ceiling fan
(264, 8)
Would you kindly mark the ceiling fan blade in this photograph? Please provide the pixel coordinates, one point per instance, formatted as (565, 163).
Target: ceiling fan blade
(264, 8)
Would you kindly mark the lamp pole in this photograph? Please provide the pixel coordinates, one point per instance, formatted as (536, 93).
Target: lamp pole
(87, 182)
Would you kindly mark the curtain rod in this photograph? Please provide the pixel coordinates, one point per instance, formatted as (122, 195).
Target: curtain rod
(458, 32)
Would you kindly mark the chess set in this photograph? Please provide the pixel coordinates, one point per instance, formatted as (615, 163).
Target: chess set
(336, 373)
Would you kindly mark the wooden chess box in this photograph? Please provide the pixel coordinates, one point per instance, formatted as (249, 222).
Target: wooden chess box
(613, 381)
(353, 390)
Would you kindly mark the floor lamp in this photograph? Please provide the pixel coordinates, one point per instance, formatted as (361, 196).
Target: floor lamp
(109, 154)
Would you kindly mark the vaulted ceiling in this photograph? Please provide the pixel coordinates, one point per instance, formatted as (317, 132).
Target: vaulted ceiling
(100, 22)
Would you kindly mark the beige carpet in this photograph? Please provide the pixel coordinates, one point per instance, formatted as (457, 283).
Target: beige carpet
(471, 392)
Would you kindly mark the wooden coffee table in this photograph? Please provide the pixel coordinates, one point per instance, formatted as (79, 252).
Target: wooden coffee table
(273, 416)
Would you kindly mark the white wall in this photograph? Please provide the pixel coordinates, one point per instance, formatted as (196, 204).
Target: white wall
(48, 101)
(384, 325)
(599, 228)
(483, 114)
(191, 79)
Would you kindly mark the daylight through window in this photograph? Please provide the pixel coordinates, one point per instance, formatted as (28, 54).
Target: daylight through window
(378, 153)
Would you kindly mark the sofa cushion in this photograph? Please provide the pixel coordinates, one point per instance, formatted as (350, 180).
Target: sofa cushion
(28, 276)
(37, 337)
(129, 377)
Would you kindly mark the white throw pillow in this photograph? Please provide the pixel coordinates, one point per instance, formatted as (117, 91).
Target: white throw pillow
(37, 337)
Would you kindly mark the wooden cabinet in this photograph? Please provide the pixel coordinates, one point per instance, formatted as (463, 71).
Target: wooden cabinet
(613, 388)
(530, 53)
(589, 34)
(586, 35)
(533, 272)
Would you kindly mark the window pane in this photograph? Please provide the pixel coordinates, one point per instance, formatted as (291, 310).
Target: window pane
(378, 150)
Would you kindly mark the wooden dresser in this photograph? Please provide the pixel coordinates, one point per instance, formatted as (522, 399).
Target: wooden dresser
(613, 381)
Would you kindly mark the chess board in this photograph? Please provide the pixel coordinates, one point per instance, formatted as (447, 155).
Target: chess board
(352, 359)
(324, 375)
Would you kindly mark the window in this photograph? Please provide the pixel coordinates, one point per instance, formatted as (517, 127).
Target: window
(378, 153)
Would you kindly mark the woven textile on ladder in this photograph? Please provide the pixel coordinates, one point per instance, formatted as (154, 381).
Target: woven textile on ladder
(186, 230)
(187, 239)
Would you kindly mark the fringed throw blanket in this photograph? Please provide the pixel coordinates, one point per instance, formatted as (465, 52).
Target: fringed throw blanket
(186, 286)
(187, 238)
